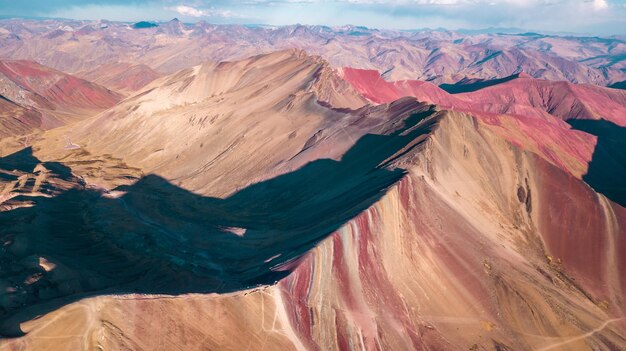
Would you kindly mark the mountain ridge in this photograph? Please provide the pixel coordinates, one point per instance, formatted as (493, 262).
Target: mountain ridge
(268, 199)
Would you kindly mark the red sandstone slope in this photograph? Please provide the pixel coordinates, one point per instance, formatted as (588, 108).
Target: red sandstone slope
(121, 76)
(376, 89)
(54, 97)
(522, 95)
(560, 99)
(530, 113)
(58, 88)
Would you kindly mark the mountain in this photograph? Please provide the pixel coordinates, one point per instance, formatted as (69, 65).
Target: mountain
(560, 99)
(265, 203)
(519, 95)
(38, 97)
(205, 104)
(172, 28)
(121, 76)
(16, 119)
(376, 89)
(436, 56)
(526, 111)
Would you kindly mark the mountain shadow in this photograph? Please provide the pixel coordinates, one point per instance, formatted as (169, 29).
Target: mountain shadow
(158, 238)
(618, 85)
(607, 169)
(468, 86)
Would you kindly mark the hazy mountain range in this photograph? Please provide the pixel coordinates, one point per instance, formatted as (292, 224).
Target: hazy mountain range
(438, 56)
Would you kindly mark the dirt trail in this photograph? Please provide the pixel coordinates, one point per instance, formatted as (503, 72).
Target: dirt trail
(582, 336)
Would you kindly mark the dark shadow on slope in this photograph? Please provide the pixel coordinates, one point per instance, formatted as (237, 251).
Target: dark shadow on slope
(22, 160)
(467, 87)
(619, 85)
(607, 169)
(159, 238)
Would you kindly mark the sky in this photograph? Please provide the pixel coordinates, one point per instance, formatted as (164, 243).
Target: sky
(598, 17)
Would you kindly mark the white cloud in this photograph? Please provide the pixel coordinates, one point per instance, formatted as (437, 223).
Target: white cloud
(599, 4)
(188, 11)
(604, 17)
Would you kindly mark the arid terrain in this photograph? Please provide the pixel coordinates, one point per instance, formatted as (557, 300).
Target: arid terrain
(104, 50)
(230, 187)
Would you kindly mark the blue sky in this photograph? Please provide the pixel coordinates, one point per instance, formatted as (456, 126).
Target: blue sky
(603, 17)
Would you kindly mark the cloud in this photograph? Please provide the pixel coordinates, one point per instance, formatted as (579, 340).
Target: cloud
(590, 16)
(188, 11)
(600, 4)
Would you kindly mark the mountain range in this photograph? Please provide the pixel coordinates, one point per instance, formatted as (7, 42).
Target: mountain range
(437, 56)
(195, 186)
